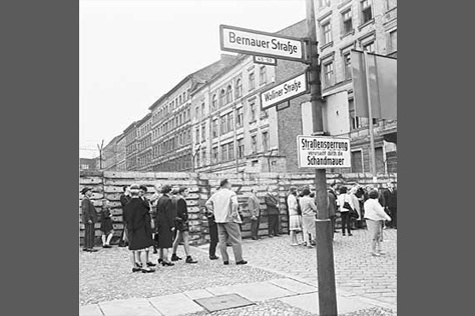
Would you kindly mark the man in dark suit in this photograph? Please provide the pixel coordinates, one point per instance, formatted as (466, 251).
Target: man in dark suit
(272, 202)
(124, 199)
(332, 207)
(89, 218)
(390, 204)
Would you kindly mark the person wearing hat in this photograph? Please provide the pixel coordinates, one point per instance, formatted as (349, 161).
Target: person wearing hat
(136, 215)
(166, 215)
(224, 205)
(89, 218)
(124, 199)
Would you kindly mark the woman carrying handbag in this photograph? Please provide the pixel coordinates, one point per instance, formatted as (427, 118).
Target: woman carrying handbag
(345, 204)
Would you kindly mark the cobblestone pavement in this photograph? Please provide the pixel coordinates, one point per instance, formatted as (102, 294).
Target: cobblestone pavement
(107, 275)
(356, 271)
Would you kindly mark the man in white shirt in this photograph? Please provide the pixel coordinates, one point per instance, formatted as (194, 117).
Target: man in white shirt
(224, 205)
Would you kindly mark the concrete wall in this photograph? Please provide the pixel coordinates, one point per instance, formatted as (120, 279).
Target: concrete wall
(109, 184)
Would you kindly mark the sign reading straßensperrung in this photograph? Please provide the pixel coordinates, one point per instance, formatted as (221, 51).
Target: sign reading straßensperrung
(251, 42)
(322, 152)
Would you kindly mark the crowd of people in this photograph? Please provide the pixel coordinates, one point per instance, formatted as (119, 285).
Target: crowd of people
(160, 221)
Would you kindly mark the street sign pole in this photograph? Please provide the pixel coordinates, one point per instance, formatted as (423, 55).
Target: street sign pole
(372, 152)
(325, 264)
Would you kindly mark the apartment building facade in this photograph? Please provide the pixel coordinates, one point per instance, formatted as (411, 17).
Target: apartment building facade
(120, 153)
(365, 25)
(131, 147)
(144, 143)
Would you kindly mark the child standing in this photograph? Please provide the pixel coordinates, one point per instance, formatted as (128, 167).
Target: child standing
(106, 224)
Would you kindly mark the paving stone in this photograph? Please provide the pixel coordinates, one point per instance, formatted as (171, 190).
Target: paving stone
(196, 294)
(175, 304)
(90, 310)
(293, 285)
(136, 307)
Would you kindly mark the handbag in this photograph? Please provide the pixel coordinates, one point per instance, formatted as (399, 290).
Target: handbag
(352, 212)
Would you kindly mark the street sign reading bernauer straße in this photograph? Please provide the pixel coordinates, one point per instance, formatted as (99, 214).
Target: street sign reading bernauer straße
(240, 40)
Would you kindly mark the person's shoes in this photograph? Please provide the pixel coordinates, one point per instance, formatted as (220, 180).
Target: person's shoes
(350, 234)
(175, 257)
(148, 270)
(382, 253)
(254, 238)
(213, 257)
(107, 246)
(241, 262)
(344, 234)
(294, 244)
(160, 261)
(375, 254)
(85, 249)
(277, 235)
(229, 244)
(136, 269)
(312, 243)
(270, 236)
(169, 264)
(151, 264)
(225, 263)
(190, 260)
(93, 250)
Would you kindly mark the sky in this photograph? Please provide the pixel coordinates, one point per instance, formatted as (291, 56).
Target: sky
(133, 52)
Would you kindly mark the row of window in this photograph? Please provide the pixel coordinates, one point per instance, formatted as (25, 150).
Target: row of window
(145, 143)
(168, 108)
(144, 160)
(177, 164)
(346, 17)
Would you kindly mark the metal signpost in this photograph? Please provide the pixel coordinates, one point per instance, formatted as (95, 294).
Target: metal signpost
(251, 42)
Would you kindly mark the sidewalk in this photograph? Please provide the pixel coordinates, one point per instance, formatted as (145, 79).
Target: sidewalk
(284, 296)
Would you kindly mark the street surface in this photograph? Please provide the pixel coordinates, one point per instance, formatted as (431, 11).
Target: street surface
(280, 279)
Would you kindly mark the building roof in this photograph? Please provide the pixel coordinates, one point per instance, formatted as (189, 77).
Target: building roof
(200, 76)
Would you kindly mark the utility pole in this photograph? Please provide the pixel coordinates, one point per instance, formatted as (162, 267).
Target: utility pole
(325, 263)
(372, 152)
(100, 154)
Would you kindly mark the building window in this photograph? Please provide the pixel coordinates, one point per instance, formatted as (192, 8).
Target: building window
(347, 22)
(347, 65)
(239, 117)
(366, 13)
(238, 88)
(356, 162)
(229, 94)
(393, 41)
(231, 151)
(240, 148)
(263, 75)
(215, 154)
(203, 133)
(222, 98)
(223, 124)
(197, 135)
(203, 157)
(215, 128)
(254, 144)
(252, 110)
(230, 122)
(265, 141)
(252, 81)
(198, 162)
(203, 109)
(197, 112)
(214, 103)
(328, 73)
(326, 32)
(369, 47)
(224, 153)
(324, 3)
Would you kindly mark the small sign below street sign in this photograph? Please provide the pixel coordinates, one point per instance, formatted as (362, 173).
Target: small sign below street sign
(251, 42)
(322, 152)
(265, 60)
(290, 89)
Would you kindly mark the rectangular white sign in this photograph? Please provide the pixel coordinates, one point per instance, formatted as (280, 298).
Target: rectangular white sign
(322, 152)
(285, 91)
(265, 60)
(235, 39)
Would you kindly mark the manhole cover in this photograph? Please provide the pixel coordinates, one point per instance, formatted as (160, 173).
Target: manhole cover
(220, 302)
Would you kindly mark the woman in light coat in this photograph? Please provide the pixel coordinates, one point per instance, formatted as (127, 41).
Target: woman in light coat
(375, 216)
(295, 220)
(309, 211)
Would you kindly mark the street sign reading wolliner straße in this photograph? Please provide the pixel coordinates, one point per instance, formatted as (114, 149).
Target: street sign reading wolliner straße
(285, 91)
(251, 42)
(323, 152)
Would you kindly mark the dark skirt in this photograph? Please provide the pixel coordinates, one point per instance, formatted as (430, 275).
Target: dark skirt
(182, 226)
(106, 225)
(140, 239)
(165, 237)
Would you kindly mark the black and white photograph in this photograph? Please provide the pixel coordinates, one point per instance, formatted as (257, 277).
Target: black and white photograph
(237, 157)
